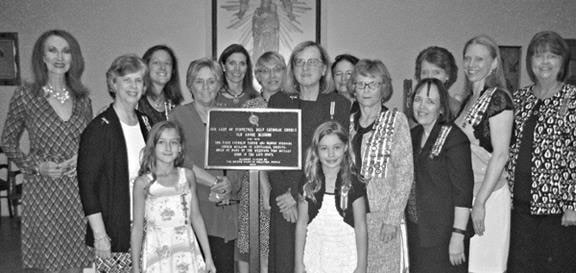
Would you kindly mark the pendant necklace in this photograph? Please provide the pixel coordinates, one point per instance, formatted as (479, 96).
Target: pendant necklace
(235, 98)
(61, 96)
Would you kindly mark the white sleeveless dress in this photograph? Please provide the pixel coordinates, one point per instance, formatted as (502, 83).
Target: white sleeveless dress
(170, 244)
(330, 245)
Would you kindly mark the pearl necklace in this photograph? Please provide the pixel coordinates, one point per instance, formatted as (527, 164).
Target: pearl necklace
(61, 96)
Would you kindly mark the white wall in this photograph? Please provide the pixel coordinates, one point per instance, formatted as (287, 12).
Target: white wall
(392, 30)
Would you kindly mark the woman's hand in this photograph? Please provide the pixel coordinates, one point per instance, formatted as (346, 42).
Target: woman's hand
(223, 187)
(50, 169)
(291, 214)
(478, 217)
(210, 268)
(457, 249)
(388, 232)
(568, 218)
(102, 246)
(285, 201)
(69, 166)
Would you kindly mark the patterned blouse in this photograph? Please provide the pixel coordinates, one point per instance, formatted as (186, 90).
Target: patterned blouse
(553, 151)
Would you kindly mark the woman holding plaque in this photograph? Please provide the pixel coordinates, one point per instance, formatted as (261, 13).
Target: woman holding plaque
(309, 88)
(270, 73)
(217, 189)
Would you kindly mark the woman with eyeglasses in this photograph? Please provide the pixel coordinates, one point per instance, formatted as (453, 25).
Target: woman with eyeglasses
(381, 142)
(204, 78)
(309, 88)
(270, 74)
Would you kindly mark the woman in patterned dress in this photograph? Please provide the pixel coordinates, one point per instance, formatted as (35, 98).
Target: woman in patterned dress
(542, 162)
(163, 93)
(382, 144)
(270, 74)
(54, 110)
(487, 120)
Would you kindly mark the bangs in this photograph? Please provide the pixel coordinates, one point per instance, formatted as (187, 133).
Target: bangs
(129, 68)
(546, 45)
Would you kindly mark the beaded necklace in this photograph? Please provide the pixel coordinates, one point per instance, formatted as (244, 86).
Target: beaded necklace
(61, 96)
(235, 98)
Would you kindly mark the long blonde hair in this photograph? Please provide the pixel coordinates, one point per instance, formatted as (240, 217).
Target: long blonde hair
(497, 77)
(313, 166)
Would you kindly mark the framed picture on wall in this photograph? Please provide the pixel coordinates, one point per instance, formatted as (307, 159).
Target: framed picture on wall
(571, 78)
(9, 59)
(511, 60)
(264, 25)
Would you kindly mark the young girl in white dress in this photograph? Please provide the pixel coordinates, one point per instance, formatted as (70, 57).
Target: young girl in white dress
(331, 230)
(165, 207)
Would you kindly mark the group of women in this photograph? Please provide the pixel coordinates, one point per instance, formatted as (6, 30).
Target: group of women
(435, 198)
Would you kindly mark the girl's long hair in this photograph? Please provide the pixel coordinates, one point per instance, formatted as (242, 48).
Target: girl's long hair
(313, 167)
(148, 161)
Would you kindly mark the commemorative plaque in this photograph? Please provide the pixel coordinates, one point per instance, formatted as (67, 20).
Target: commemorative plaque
(253, 139)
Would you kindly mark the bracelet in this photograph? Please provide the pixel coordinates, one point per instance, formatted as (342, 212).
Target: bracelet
(460, 231)
(101, 238)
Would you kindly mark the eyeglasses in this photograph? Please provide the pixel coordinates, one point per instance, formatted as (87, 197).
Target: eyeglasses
(311, 62)
(370, 85)
(265, 70)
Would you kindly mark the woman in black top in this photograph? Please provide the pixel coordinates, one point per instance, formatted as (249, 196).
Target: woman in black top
(438, 206)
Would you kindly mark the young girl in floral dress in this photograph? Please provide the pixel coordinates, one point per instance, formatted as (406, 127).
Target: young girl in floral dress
(331, 230)
(165, 206)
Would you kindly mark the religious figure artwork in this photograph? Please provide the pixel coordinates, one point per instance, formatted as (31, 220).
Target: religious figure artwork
(264, 25)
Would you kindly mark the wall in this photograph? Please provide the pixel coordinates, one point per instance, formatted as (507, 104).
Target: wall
(393, 31)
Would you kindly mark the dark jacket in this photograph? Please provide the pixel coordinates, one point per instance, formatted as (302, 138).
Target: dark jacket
(442, 182)
(103, 176)
(357, 190)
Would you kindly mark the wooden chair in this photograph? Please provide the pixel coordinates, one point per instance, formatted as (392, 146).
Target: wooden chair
(9, 190)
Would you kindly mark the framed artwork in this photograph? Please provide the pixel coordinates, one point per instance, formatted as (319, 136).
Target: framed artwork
(511, 60)
(571, 78)
(9, 59)
(264, 25)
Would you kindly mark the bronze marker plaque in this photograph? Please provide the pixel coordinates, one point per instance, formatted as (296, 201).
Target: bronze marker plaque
(253, 139)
